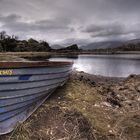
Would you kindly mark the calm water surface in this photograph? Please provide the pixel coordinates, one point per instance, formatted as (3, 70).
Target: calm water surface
(106, 65)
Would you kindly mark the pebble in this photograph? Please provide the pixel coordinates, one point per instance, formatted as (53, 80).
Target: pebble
(106, 104)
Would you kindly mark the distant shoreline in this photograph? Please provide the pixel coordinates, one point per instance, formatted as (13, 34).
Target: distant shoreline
(41, 56)
(68, 53)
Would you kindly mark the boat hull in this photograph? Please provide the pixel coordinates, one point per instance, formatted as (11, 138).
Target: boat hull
(24, 89)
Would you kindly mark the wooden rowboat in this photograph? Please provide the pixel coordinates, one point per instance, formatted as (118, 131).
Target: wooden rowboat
(24, 86)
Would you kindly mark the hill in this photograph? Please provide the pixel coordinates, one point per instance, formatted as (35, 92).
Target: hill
(56, 46)
(71, 48)
(110, 44)
(101, 45)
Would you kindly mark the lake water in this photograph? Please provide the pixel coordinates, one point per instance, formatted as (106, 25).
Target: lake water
(105, 65)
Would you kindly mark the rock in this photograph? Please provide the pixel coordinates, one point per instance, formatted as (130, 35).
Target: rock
(81, 78)
(114, 102)
(106, 104)
(97, 105)
(138, 88)
(93, 83)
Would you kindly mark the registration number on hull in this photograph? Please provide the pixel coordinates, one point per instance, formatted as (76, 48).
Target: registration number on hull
(6, 72)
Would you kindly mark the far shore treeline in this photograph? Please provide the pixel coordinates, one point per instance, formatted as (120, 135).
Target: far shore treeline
(13, 44)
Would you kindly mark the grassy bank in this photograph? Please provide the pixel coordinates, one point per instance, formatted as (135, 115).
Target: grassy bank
(86, 109)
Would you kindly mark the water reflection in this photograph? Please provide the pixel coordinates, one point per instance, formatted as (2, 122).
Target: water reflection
(106, 65)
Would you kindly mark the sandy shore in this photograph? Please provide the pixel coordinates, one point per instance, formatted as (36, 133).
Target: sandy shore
(87, 107)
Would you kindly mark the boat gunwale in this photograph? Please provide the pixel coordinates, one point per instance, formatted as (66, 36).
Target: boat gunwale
(13, 75)
(33, 64)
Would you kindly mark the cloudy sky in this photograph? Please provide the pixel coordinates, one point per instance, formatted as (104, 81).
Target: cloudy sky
(71, 21)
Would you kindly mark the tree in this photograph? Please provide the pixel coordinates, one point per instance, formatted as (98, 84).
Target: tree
(32, 41)
(2, 35)
(44, 46)
(72, 48)
(1, 48)
(8, 43)
(32, 45)
(11, 43)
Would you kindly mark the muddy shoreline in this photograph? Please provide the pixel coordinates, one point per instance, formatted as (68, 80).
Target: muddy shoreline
(87, 107)
(98, 79)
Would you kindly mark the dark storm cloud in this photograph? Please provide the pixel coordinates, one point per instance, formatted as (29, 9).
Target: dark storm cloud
(68, 21)
(9, 19)
(14, 23)
(126, 5)
(105, 30)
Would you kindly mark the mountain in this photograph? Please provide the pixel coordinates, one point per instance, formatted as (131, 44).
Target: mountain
(108, 44)
(56, 46)
(134, 41)
(101, 45)
(71, 48)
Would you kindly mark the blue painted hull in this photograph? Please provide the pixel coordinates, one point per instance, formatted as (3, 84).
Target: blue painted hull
(24, 88)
